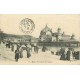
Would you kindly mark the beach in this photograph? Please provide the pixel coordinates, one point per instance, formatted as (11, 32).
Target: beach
(7, 57)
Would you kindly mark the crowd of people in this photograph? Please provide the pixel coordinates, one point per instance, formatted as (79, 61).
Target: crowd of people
(32, 48)
(70, 54)
(29, 48)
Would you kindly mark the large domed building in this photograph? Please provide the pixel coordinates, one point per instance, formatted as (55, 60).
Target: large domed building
(57, 38)
(46, 34)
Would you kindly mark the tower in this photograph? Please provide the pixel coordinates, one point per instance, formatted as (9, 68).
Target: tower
(73, 37)
(59, 30)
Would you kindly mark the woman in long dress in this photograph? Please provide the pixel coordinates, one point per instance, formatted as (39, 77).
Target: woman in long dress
(68, 55)
(62, 52)
(16, 55)
(28, 51)
(21, 52)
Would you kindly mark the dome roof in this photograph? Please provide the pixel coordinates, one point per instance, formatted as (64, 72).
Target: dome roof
(46, 29)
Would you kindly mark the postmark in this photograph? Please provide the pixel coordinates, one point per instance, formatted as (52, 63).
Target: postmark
(27, 26)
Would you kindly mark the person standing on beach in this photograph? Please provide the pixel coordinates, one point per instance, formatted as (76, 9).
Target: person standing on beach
(36, 49)
(12, 48)
(62, 52)
(21, 52)
(28, 51)
(73, 53)
(16, 55)
(68, 54)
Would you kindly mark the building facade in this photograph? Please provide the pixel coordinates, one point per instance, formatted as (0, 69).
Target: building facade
(49, 38)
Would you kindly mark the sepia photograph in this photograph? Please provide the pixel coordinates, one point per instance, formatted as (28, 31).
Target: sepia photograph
(39, 39)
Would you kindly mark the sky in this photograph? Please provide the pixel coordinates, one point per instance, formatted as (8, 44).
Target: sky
(69, 23)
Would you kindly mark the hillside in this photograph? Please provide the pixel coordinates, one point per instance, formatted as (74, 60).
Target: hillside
(18, 36)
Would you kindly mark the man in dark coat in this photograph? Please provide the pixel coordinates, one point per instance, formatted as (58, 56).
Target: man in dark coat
(68, 55)
(62, 52)
(16, 55)
(28, 52)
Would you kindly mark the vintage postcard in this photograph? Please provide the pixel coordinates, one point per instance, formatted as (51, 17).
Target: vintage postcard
(39, 39)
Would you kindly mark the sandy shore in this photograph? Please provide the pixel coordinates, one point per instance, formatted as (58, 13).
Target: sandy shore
(44, 58)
